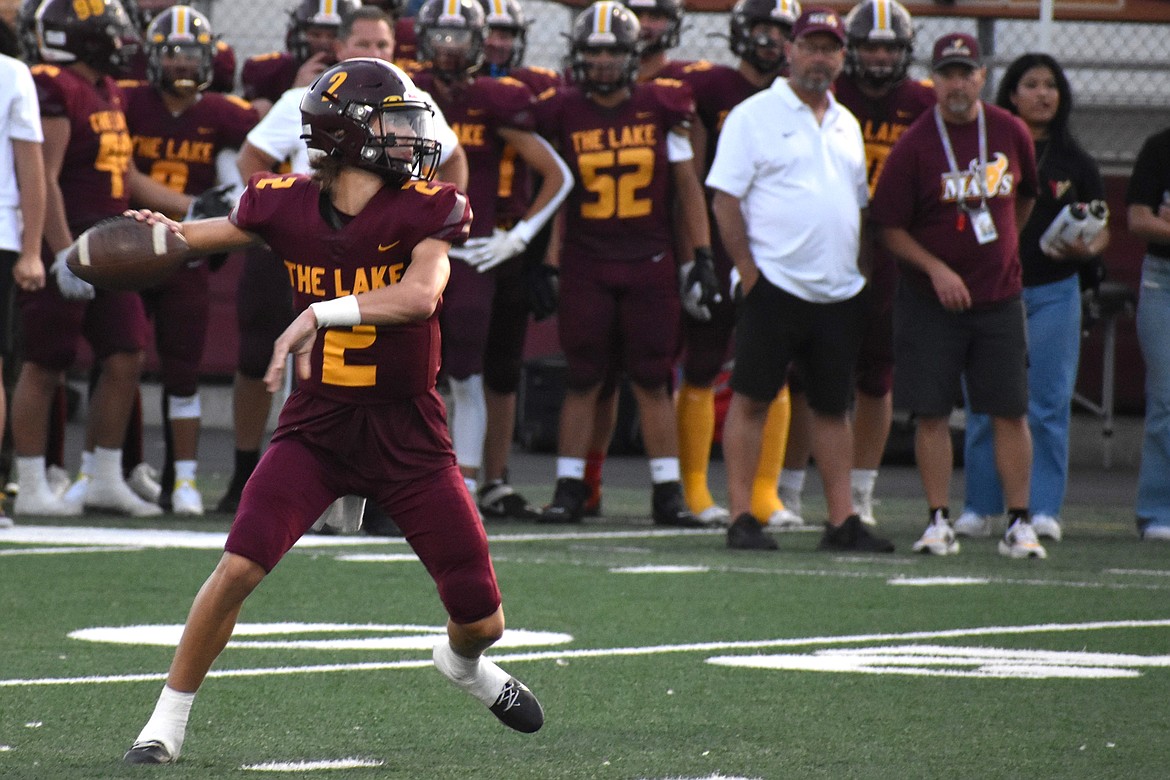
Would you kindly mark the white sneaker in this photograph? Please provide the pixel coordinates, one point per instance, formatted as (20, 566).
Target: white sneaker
(58, 479)
(1154, 532)
(938, 538)
(143, 480)
(74, 494)
(785, 519)
(114, 495)
(971, 524)
(863, 506)
(41, 503)
(1020, 541)
(714, 516)
(186, 498)
(1047, 527)
(6, 521)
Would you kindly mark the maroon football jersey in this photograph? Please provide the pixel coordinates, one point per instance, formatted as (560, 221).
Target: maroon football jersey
(918, 192)
(883, 120)
(516, 184)
(476, 112)
(93, 175)
(405, 41)
(717, 90)
(179, 151)
(365, 364)
(268, 76)
(619, 208)
(674, 69)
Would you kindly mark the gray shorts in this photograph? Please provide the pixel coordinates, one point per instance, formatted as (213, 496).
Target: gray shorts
(934, 349)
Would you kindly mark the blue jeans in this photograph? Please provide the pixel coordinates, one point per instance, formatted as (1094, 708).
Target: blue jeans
(1153, 324)
(1054, 349)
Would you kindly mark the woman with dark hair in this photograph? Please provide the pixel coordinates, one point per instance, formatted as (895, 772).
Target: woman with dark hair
(1035, 89)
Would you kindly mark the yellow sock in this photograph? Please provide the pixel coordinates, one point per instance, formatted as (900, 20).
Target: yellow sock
(765, 502)
(696, 429)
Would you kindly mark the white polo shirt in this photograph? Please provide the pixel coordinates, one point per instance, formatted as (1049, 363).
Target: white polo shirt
(20, 120)
(801, 187)
(278, 134)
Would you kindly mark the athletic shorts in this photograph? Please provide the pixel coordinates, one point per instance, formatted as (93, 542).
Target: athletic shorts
(633, 304)
(112, 323)
(465, 318)
(777, 328)
(936, 349)
(180, 309)
(397, 454)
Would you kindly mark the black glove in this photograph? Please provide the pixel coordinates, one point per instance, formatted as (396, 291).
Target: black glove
(698, 286)
(541, 289)
(215, 202)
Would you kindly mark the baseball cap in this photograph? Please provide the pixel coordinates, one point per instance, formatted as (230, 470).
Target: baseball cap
(819, 20)
(956, 49)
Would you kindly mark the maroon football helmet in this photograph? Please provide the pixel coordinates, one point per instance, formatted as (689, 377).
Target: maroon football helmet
(100, 36)
(368, 114)
(182, 35)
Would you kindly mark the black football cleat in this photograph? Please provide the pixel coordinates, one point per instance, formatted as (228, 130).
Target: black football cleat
(568, 504)
(517, 708)
(149, 752)
(669, 507)
(498, 500)
(746, 533)
(852, 536)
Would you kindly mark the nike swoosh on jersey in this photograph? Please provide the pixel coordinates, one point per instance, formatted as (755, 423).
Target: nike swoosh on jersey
(206, 130)
(644, 114)
(388, 247)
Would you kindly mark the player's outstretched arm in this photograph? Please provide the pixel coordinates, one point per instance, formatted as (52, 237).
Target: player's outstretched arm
(203, 236)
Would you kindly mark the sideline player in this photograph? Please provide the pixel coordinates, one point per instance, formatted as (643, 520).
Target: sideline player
(628, 146)
(365, 417)
(490, 113)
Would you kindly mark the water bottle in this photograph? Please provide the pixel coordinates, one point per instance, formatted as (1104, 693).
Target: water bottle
(1065, 227)
(1095, 220)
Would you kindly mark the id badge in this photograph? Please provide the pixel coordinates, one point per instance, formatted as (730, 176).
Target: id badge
(984, 225)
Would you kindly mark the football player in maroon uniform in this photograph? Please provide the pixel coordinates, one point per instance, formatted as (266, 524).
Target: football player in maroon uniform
(89, 177)
(523, 286)
(365, 243)
(308, 41)
(876, 89)
(488, 114)
(628, 146)
(758, 29)
(178, 129)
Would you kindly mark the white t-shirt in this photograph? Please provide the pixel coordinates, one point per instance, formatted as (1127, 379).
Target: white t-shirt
(278, 134)
(801, 187)
(20, 119)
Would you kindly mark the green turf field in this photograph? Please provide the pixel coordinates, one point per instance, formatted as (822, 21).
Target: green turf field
(655, 654)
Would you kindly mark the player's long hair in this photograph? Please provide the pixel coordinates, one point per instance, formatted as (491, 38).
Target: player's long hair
(1059, 133)
(325, 170)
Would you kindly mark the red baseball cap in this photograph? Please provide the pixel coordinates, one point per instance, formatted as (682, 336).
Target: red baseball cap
(819, 20)
(956, 49)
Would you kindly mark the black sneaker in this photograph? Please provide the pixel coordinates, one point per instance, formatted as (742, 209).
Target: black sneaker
(568, 504)
(498, 500)
(151, 752)
(852, 536)
(746, 533)
(231, 499)
(669, 507)
(517, 708)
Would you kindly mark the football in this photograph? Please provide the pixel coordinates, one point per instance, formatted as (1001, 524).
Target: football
(122, 253)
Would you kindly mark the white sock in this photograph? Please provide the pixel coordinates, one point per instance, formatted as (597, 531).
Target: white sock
(472, 485)
(107, 463)
(570, 468)
(168, 722)
(792, 480)
(862, 480)
(663, 470)
(30, 474)
(477, 676)
(185, 470)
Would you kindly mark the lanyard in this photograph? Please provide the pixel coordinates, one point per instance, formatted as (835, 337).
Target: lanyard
(981, 124)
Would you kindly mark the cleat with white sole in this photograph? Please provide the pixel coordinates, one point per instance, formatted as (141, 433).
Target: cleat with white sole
(714, 516)
(1047, 527)
(43, 503)
(1021, 541)
(149, 752)
(186, 498)
(785, 519)
(973, 524)
(114, 495)
(938, 538)
(143, 480)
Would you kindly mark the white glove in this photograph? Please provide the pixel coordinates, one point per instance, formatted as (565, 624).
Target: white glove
(504, 246)
(735, 282)
(472, 251)
(698, 285)
(72, 287)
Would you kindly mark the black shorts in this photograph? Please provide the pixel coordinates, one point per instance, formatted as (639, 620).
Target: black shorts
(776, 328)
(935, 349)
(8, 321)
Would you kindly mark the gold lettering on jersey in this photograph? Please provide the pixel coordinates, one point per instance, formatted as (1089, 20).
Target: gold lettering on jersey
(190, 151)
(148, 147)
(886, 133)
(276, 182)
(470, 134)
(966, 185)
(587, 141)
(631, 135)
(311, 279)
(107, 121)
